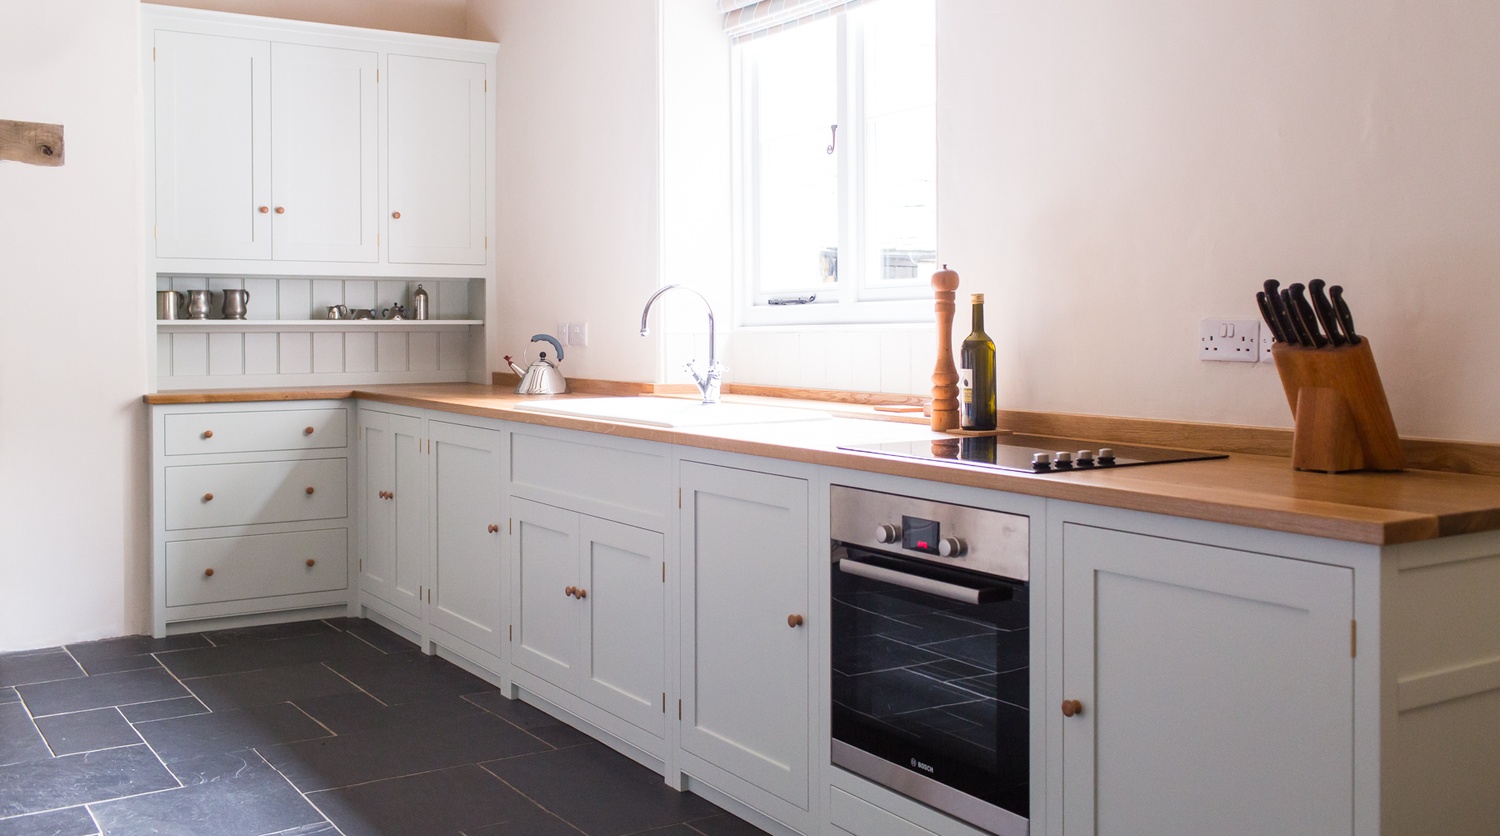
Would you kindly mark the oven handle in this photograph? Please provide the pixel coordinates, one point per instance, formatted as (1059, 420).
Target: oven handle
(951, 591)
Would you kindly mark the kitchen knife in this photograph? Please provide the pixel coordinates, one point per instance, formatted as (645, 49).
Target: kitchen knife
(1303, 311)
(1304, 337)
(1279, 309)
(1341, 309)
(1324, 311)
(1269, 315)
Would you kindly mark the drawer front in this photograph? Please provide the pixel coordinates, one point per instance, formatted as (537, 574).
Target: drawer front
(211, 495)
(189, 434)
(629, 483)
(861, 818)
(256, 566)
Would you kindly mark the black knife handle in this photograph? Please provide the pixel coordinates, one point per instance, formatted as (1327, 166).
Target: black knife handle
(1279, 309)
(1269, 315)
(1341, 308)
(1304, 337)
(1303, 311)
(1324, 311)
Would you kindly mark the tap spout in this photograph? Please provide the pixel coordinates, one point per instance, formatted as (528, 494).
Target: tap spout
(646, 311)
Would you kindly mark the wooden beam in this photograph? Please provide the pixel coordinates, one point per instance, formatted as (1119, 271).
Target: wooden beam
(34, 143)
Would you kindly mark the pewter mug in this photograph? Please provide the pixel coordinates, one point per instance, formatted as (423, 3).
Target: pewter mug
(235, 303)
(168, 304)
(338, 312)
(199, 303)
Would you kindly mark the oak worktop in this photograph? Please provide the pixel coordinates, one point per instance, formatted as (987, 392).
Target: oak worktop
(1375, 508)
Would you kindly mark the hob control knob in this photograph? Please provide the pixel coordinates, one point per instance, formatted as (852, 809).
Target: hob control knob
(1062, 460)
(1106, 455)
(1084, 458)
(952, 547)
(887, 533)
(1041, 462)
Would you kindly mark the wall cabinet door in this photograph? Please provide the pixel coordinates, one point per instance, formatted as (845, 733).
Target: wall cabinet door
(467, 470)
(623, 621)
(1216, 689)
(544, 564)
(213, 141)
(394, 497)
(745, 681)
(436, 186)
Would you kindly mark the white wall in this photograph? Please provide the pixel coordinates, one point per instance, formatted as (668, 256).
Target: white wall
(73, 496)
(579, 190)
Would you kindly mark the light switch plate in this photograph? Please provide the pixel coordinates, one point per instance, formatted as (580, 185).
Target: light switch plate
(1229, 340)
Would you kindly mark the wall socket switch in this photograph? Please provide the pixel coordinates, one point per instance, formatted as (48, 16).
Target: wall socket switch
(578, 333)
(562, 333)
(1229, 340)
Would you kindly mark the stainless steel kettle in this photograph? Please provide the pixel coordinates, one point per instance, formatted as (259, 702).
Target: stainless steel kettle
(541, 377)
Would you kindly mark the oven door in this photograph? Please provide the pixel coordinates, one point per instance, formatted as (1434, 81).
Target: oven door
(930, 669)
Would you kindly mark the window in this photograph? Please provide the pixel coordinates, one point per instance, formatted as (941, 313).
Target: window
(835, 168)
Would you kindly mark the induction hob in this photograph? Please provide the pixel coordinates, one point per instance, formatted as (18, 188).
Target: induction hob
(1030, 453)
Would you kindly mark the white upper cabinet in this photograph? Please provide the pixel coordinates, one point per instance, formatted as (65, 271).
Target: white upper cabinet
(436, 128)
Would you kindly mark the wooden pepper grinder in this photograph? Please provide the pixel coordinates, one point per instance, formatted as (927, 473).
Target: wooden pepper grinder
(945, 373)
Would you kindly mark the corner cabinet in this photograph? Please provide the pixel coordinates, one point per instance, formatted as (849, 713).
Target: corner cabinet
(393, 494)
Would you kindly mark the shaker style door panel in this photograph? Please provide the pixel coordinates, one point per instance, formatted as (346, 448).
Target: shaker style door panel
(1216, 689)
(624, 618)
(544, 564)
(410, 501)
(324, 145)
(436, 177)
(745, 674)
(466, 578)
(378, 528)
(213, 131)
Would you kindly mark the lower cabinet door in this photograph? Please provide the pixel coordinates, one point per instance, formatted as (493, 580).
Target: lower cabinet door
(1210, 690)
(394, 487)
(744, 667)
(544, 604)
(256, 566)
(624, 619)
(466, 573)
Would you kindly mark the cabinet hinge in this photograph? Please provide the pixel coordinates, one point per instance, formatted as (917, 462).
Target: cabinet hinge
(512, 636)
(664, 702)
(663, 571)
(510, 525)
(1353, 638)
(377, 75)
(486, 85)
(486, 242)
(361, 564)
(153, 53)
(679, 497)
(679, 709)
(155, 232)
(429, 595)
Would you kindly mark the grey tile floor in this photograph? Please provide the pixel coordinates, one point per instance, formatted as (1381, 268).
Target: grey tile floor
(334, 726)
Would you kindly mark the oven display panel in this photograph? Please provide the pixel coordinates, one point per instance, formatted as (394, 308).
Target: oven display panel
(920, 535)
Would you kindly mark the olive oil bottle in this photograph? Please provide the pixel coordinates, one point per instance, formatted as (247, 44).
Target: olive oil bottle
(976, 374)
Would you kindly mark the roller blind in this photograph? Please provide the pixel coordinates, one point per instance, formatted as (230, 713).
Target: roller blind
(745, 19)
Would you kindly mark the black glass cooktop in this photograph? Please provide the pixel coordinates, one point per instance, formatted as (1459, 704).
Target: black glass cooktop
(1031, 453)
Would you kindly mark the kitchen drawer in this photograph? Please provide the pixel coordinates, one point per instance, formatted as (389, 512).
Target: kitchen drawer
(616, 479)
(861, 818)
(248, 432)
(256, 566)
(211, 495)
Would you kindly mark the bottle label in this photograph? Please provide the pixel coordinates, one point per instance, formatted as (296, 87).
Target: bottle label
(966, 386)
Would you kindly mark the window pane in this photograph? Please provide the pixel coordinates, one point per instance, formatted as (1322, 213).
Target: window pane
(900, 143)
(796, 185)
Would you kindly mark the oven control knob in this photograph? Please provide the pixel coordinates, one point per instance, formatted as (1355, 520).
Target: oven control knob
(887, 533)
(952, 547)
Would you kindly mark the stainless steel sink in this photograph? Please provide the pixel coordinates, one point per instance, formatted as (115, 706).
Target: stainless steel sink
(670, 412)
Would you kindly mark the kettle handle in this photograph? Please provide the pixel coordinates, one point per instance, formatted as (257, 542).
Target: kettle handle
(551, 339)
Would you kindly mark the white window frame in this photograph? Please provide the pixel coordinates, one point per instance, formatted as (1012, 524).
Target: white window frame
(852, 300)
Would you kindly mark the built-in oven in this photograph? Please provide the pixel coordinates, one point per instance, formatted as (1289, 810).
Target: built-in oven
(930, 653)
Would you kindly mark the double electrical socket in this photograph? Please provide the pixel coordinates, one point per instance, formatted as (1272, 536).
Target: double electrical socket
(573, 333)
(1233, 341)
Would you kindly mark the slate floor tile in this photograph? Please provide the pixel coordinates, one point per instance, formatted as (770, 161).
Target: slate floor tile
(267, 632)
(9, 695)
(81, 779)
(358, 711)
(380, 637)
(268, 685)
(443, 802)
(531, 719)
(145, 712)
(70, 821)
(724, 824)
(232, 794)
(100, 691)
(86, 731)
(393, 751)
(37, 666)
(227, 731)
(129, 652)
(622, 796)
(409, 677)
(19, 739)
(256, 655)
(124, 663)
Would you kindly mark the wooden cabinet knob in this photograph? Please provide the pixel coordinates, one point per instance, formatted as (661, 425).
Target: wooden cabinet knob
(208, 497)
(208, 573)
(311, 562)
(264, 209)
(581, 593)
(309, 490)
(794, 620)
(208, 433)
(281, 210)
(494, 528)
(570, 591)
(396, 215)
(308, 431)
(1071, 708)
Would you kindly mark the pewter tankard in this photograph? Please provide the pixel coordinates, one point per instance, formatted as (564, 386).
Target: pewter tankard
(235, 303)
(199, 303)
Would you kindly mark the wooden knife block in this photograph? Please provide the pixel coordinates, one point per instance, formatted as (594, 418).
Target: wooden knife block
(1342, 419)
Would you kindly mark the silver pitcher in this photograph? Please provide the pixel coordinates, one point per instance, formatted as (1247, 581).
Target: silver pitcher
(168, 304)
(199, 303)
(338, 312)
(235, 303)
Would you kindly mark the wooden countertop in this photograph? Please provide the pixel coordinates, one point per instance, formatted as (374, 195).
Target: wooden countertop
(1376, 508)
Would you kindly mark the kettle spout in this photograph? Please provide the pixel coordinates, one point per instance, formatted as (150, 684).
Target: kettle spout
(520, 372)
